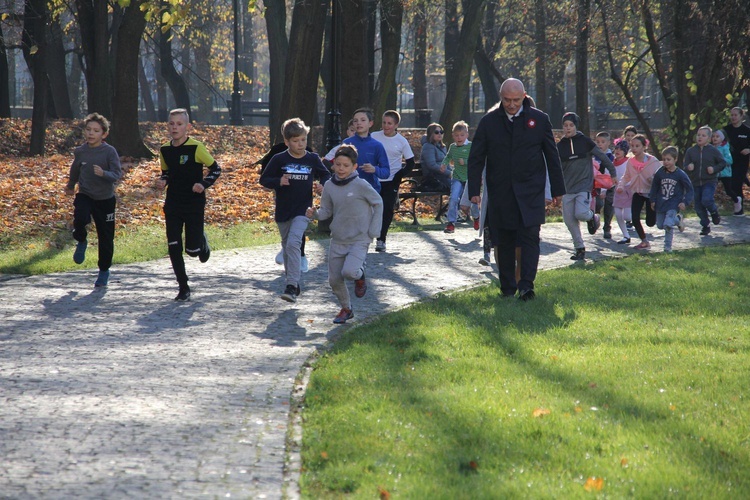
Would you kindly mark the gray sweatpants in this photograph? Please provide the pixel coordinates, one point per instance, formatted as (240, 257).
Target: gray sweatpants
(576, 207)
(345, 262)
(292, 232)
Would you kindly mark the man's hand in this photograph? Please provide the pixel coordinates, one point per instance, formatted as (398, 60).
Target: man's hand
(70, 191)
(284, 180)
(653, 205)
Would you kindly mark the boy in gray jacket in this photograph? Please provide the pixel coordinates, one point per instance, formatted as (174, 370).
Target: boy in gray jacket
(576, 155)
(357, 211)
(703, 162)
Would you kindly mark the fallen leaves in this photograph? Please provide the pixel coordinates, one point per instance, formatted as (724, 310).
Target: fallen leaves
(540, 412)
(594, 484)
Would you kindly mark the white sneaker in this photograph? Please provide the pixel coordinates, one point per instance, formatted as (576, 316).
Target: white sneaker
(379, 246)
(485, 260)
(280, 257)
(304, 264)
(680, 223)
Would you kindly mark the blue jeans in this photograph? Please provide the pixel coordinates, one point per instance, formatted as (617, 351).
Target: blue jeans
(704, 201)
(667, 221)
(457, 189)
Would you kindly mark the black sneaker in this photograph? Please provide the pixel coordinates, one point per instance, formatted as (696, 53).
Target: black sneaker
(579, 255)
(184, 293)
(205, 252)
(526, 295)
(706, 230)
(593, 224)
(716, 218)
(291, 293)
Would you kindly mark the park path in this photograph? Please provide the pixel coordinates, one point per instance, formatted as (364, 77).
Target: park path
(123, 393)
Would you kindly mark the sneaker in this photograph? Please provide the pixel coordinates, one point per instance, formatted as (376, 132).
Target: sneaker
(343, 315)
(629, 225)
(607, 235)
(593, 224)
(80, 254)
(624, 241)
(715, 218)
(643, 245)
(485, 260)
(360, 286)
(579, 255)
(380, 246)
(476, 224)
(280, 257)
(667, 250)
(290, 293)
(304, 264)
(184, 293)
(450, 228)
(705, 231)
(526, 295)
(102, 279)
(205, 252)
(680, 222)
(740, 210)
(737, 206)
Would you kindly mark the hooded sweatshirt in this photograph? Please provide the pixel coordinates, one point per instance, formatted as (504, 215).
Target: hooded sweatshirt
(576, 155)
(639, 176)
(356, 207)
(702, 158)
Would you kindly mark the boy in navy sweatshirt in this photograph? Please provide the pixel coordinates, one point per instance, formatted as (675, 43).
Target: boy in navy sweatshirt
(291, 174)
(671, 192)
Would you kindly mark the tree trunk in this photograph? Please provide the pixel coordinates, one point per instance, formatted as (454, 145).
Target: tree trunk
(58, 77)
(278, 48)
(457, 82)
(354, 88)
(419, 77)
(125, 134)
(488, 75)
(74, 84)
(162, 99)
(540, 46)
(93, 21)
(247, 59)
(371, 14)
(174, 80)
(4, 79)
(303, 60)
(582, 60)
(145, 93)
(391, 19)
(203, 71)
(34, 51)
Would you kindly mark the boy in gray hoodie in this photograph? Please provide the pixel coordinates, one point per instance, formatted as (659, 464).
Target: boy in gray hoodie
(357, 211)
(576, 152)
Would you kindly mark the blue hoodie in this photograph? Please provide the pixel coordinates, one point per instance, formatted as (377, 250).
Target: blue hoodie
(371, 151)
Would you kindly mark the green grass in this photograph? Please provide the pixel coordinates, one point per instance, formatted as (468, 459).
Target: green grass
(642, 364)
(31, 254)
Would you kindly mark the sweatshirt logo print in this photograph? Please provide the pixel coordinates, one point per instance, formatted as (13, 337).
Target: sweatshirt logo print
(667, 188)
(183, 159)
(298, 172)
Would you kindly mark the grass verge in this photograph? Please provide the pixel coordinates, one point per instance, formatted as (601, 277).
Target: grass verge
(626, 377)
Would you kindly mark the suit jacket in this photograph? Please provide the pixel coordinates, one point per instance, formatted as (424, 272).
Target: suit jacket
(519, 156)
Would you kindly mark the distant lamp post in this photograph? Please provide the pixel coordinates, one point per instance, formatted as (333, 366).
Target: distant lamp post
(236, 114)
(334, 115)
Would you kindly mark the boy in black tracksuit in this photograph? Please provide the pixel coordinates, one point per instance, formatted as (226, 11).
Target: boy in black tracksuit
(182, 162)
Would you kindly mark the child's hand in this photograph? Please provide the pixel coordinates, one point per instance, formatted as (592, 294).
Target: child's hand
(367, 167)
(618, 190)
(710, 170)
(443, 167)
(284, 180)
(161, 183)
(310, 212)
(461, 161)
(98, 170)
(653, 206)
(690, 167)
(70, 191)
(198, 187)
(318, 187)
(603, 194)
(681, 206)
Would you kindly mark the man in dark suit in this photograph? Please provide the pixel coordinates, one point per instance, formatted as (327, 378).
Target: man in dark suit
(514, 142)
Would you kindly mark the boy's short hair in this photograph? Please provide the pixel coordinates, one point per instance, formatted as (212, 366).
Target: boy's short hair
(180, 111)
(367, 111)
(461, 125)
(350, 123)
(671, 151)
(709, 129)
(294, 127)
(629, 128)
(347, 150)
(604, 134)
(392, 113)
(96, 117)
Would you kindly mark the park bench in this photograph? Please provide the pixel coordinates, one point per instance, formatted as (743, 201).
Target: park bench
(411, 189)
(255, 108)
(605, 114)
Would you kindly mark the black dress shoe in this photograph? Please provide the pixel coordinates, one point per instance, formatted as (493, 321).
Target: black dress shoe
(526, 295)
